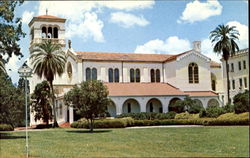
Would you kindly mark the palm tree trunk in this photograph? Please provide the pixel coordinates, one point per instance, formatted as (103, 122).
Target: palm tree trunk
(228, 93)
(53, 104)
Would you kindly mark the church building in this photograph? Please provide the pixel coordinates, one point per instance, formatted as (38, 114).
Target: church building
(136, 82)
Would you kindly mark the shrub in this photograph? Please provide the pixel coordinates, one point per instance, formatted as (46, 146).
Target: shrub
(244, 115)
(228, 108)
(186, 115)
(6, 127)
(241, 102)
(214, 111)
(195, 108)
(202, 113)
(149, 116)
(105, 123)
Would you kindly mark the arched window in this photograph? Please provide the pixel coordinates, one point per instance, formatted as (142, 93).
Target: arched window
(94, 74)
(116, 75)
(132, 75)
(111, 75)
(69, 70)
(88, 74)
(152, 74)
(129, 107)
(193, 73)
(158, 76)
(44, 32)
(55, 32)
(49, 32)
(138, 75)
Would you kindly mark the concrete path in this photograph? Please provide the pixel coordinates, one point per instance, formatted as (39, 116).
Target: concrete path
(166, 126)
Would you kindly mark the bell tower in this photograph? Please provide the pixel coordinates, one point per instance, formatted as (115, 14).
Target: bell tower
(46, 27)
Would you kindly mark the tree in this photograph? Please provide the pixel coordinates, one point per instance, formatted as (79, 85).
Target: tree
(187, 104)
(11, 30)
(2, 67)
(12, 102)
(223, 38)
(48, 60)
(89, 99)
(241, 102)
(41, 102)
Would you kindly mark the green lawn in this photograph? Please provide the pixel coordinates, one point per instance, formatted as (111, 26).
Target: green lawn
(231, 141)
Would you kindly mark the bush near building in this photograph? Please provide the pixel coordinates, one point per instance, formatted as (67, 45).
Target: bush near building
(6, 127)
(149, 115)
(241, 102)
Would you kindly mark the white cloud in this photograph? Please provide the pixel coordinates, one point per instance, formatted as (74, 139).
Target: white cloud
(243, 30)
(128, 5)
(198, 11)
(27, 16)
(207, 49)
(128, 20)
(172, 45)
(82, 18)
(90, 27)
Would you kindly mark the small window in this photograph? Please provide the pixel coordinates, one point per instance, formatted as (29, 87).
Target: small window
(245, 82)
(88, 74)
(116, 75)
(49, 32)
(69, 70)
(158, 76)
(55, 32)
(44, 32)
(233, 84)
(132, 75)
(94, 74)
(152, 74)
(232, 67)
(239, 63)
(213, 85)
(240, 81)
(111, 75)
(229, 85)
(138, 76)
(244, 64)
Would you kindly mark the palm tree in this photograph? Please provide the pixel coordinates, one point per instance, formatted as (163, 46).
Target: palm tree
(2, 68)
(48, 60)
(223, 38)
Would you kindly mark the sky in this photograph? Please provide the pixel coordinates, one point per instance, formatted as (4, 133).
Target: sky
(156, 27)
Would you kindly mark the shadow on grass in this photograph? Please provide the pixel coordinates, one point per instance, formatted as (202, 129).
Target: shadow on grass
(87, 131)
(8, 136)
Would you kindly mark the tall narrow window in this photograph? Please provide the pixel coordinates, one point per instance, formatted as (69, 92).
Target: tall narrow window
(132, 75)
(129, 108)
(44, 32)
(152, 74)
(49, 32)
(229, 87)
(151, 108)
(158, 76)
(213, 85)
(138, 76)
(233, 84)
(88, 74)
(193, 73)
(244, 64)
(245, 82)
(232, 67)
(239, 63)
(55, 32)
(240, 80)
(111, 75)
(94, 74)
(116, 75)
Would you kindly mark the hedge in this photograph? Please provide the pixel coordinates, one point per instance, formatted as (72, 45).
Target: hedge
(105, 123)
(6, 127)
(149, 115)
(225, 119)
(186, 115)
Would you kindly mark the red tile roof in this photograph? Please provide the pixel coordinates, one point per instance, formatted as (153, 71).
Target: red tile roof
(200, 93)
(123, 56)
(48, 17)
(142, 89)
